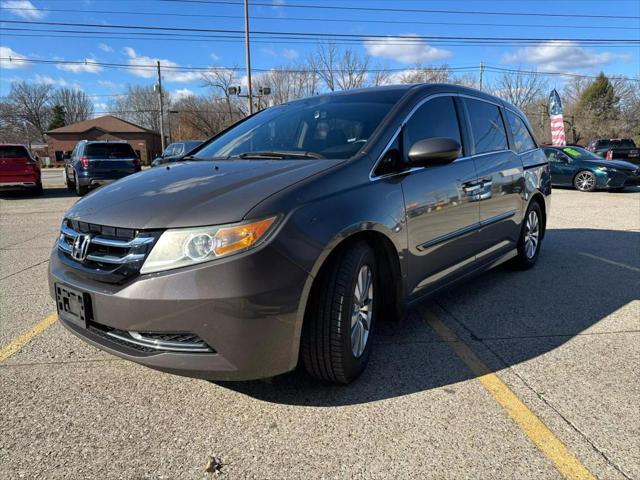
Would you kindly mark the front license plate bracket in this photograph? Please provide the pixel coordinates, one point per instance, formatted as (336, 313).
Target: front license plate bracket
(73, 305)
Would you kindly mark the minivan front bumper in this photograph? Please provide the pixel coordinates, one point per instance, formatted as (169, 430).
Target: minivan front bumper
(244, 307)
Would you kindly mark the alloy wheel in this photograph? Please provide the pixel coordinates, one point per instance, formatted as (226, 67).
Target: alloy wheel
(362, 311)
(585, 181)
(532, 234)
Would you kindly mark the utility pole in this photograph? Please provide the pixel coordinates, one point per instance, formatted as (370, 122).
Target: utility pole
(161, 102)
(481, 73)
(248, 53)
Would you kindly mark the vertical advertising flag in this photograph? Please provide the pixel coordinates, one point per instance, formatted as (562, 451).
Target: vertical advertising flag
(557, 121)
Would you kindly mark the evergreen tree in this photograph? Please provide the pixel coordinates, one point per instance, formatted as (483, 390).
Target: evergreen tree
(599, 100)
(58, 117)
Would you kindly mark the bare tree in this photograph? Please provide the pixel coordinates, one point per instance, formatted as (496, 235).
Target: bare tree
(77, 105)
(324, 63)
(219, 80)
(288, 83)
(339, 69)
(520, 88)
(30, 105)
(139, 105)
(352, 70)
(200, 117)
(425, 74)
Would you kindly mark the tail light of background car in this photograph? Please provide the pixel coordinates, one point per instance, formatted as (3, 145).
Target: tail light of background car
(84, 161)
(610, 155)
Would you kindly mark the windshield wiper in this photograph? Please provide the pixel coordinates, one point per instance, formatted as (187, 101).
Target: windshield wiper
(279, 155)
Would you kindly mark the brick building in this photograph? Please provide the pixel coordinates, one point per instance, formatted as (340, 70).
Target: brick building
(145, 142)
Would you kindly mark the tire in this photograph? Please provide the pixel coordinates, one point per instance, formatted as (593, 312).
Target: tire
(585, 181)
(80, 190)
(70, 185)
(38, 190)
(333, 349)
(530, 238)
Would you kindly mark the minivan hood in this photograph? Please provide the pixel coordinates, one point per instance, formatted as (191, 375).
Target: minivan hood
(192, 193)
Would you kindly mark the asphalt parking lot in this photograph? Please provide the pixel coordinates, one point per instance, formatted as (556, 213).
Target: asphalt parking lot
(514, 375)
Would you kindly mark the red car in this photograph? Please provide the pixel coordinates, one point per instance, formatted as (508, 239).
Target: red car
(19, 169)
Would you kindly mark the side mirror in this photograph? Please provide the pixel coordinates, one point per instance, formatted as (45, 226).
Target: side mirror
(434, 151)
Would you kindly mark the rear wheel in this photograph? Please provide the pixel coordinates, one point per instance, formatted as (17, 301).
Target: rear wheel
(68, 182)
(338, 326)
(80, 190)
(530, 238)
(585, 181)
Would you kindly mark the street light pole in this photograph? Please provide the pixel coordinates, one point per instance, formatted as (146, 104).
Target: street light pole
(248, 53)
(161, 102)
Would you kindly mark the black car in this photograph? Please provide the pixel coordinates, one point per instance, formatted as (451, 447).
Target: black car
(585, 171)
(602, 146)
(175, 152)
(291, 234)
(92, 164)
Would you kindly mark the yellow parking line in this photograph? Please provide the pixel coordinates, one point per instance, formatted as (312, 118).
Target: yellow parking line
(611, 262)
(15, 345)
(543, 438)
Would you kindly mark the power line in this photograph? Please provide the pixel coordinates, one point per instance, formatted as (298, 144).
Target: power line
(286, 40)
(151, 66)
(406, 10)
(315, 19)
(324, 35)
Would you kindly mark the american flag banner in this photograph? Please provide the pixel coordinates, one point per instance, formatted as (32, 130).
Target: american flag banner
(557, 120)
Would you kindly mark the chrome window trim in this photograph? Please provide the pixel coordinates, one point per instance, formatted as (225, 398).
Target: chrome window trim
(373, 177)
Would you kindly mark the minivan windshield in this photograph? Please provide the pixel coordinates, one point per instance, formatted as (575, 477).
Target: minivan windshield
(331, 126)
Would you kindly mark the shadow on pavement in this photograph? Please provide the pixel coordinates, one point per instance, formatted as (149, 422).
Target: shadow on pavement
(582, 276)
(49, 192)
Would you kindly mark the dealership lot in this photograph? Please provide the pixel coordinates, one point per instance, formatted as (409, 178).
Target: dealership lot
(561, 339)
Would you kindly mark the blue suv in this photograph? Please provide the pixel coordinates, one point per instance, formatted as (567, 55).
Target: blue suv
(92, 164)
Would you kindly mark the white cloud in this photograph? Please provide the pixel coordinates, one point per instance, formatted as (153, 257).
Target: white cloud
(404, 50)
(290, 53)
(12, 64)
(214, 57)
(561, 55)
(145, 67)
(105, 48)
(26, 9)
(181, 93)
(58, 82)
(89, 66)
(108, 84)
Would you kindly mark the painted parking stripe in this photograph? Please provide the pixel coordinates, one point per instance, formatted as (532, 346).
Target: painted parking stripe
(15, 345)
(610, 262)
(543, 438)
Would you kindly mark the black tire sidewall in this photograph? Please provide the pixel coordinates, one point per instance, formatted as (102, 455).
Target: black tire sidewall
(353, 367)
(523, 260)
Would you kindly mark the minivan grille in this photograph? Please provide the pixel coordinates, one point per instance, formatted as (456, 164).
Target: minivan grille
(108, 254)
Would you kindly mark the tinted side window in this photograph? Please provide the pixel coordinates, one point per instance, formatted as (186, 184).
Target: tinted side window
(487, 126)
(522, 139)
(435, 118)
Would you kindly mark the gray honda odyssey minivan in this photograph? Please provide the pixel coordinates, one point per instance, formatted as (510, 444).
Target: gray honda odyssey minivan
(286, 237)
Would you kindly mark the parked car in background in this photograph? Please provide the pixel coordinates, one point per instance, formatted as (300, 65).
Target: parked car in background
(95, 163)
(175, 152)
(288, 236)
(19, 168)
(616, 149)
(586, 171)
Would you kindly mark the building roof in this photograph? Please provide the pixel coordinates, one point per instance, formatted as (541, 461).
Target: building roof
(108, 123)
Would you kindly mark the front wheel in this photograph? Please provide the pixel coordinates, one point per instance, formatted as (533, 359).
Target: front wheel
(338, 326)
(530, 238)
(585, 181)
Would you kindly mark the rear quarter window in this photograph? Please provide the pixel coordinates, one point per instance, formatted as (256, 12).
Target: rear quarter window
(109, 150)
(522, 139)
(13, 151)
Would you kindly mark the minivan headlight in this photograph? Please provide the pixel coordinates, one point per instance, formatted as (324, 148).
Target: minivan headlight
(189, 246)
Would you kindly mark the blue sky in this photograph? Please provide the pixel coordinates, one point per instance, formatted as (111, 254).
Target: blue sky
(102, 82)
